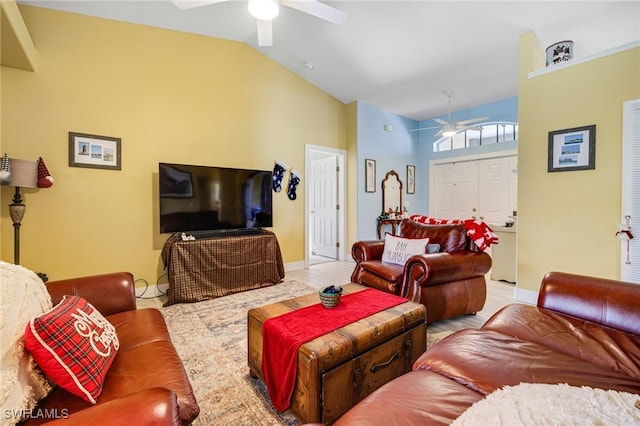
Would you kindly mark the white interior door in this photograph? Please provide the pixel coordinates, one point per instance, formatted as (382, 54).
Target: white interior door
(630, 250)
(512, 177)
(497, 189)
(455, 187)
(466, 174)
(323, 207)
(443, 190)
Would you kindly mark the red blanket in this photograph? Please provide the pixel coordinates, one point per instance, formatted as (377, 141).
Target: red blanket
(479, 232)
(283, 335)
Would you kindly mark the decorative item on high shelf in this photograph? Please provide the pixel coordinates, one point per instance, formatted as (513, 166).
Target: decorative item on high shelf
(561, 51)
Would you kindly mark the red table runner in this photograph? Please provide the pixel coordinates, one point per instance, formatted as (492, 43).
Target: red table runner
(283, 335)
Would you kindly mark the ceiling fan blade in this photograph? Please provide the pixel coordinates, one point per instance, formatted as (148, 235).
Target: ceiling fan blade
(425, 128)
(190, 4)
(471, 120)
(441, 121)
(317, 9)
(265, 33)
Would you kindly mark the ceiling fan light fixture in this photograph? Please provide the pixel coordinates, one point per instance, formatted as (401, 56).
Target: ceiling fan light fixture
(449, 133)
(264, 10)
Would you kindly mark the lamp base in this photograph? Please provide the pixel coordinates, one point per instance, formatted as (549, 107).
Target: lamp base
(16, 211)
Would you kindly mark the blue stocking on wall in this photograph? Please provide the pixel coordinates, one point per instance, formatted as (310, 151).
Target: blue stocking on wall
(278, 174)
(294, 180)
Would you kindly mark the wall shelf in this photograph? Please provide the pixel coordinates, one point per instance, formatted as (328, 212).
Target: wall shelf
(582, 60)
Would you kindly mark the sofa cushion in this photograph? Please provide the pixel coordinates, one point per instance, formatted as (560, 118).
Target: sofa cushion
(22, 296)
(588, 341)
(154, 364)
(139, 327)
(397, 249)
(74, 345)
(415, 398)
(387, 271)
(451, 237)
(469, 357)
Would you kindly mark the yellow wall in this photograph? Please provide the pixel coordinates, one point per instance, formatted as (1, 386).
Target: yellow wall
(567, 220)
(170, 96)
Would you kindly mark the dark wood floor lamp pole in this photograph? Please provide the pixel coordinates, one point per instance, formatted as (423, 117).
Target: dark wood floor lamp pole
(16, 211)
(24, 174)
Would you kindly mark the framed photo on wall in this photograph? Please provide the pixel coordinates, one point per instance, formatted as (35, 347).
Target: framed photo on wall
(369, 175)
(411, 179)
(572, 149)
(98, 152)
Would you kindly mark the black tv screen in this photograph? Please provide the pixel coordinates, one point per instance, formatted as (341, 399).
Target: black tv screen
(207, 198)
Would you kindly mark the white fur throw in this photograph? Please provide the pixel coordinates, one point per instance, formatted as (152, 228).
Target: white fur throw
(23, 295)
(544, 404)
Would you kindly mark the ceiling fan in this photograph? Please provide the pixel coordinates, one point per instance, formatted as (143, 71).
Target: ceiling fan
(266, 10)
(450, 128)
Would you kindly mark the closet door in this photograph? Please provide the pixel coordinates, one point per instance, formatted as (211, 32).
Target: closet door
(466, 174)
(630, 250)
(494, 195)
(497, 188)
(443, 191)
(455, 187)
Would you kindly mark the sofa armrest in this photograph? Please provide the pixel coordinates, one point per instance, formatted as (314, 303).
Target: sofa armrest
(150, 407)
(603, 301)
(109, 293)
(424, 270)
(362, 251)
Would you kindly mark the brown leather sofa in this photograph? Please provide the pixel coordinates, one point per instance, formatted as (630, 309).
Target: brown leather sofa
(449, 283)
(584, 331)
(146, 384)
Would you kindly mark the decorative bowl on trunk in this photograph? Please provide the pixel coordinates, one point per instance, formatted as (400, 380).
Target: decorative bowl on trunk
(330, 296)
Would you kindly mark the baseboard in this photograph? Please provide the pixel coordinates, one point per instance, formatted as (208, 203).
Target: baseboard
(155, 290)
(294, 266)
(526, 296)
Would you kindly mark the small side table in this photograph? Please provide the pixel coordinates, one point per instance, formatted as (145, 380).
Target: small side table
(394, 225)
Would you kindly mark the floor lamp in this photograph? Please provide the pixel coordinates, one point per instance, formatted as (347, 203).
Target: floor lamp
(24, 174)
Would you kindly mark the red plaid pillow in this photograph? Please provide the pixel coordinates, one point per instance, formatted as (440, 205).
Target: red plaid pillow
(74, 345)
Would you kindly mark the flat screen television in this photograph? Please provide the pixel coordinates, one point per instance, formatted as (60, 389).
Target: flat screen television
(215, 199)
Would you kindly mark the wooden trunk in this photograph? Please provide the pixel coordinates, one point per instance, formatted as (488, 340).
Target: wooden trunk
(337, 370)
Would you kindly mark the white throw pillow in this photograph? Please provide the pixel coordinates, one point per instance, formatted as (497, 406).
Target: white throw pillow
(397, 250)
(22, 384)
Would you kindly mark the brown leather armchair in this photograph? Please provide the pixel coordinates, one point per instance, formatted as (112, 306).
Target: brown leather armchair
(449, 283)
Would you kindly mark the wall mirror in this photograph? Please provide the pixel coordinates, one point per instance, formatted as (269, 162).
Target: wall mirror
(391, 192)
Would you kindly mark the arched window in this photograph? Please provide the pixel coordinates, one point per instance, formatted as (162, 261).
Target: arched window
(481, 134)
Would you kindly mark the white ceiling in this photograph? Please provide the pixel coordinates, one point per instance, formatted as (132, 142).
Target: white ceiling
(400, 56)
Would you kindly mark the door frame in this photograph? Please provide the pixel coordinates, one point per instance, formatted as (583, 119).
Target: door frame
(340, 155)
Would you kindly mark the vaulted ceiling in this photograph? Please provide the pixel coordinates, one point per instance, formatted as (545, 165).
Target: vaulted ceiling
(400, 56)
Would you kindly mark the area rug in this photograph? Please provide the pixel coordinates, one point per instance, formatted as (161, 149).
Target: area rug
(211, 339)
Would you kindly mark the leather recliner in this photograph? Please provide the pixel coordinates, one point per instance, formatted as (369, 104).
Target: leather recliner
(449, 283)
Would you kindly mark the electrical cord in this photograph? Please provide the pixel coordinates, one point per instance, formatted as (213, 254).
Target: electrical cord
(146, 287)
